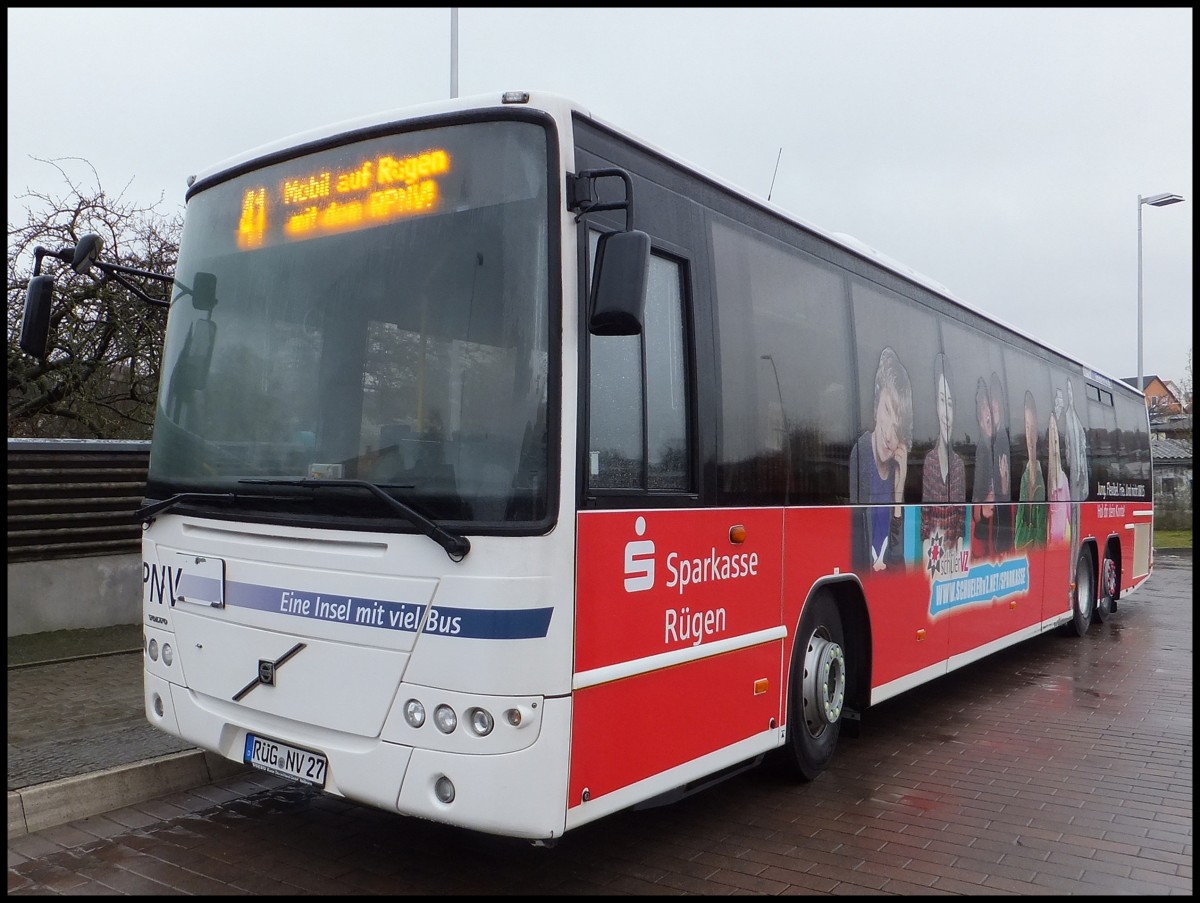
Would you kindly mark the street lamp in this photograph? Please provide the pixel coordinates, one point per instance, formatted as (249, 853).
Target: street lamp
(1155, 200)
(454, 51)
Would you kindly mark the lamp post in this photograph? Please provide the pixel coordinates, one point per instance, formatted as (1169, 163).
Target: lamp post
(1154, 200)
(454, 51)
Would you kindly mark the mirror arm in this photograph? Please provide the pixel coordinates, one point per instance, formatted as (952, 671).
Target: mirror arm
(65, 255)
(110, 270)
(118, 268)
(156, 302)
(580, 190)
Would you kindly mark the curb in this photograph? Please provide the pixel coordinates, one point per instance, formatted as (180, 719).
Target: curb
(55, 803)
(1183, 552)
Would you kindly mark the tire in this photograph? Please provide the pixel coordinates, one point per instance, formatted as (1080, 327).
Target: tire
(817, 689)
(1107, 603)
(1083, 596)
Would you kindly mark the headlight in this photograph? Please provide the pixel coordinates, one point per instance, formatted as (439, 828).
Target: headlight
(152, 648)
(414, 713)
(481, 721)
(445, 719)
(168, 654)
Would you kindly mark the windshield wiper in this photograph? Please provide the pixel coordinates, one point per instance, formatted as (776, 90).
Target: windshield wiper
(456, 547)
(148, 511)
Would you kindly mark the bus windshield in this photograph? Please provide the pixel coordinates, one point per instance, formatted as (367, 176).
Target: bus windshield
(373, 311)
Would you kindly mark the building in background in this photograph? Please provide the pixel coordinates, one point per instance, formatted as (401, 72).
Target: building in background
(1171, 451)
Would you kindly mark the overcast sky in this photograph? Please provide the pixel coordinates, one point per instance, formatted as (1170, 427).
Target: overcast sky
(1000, 152)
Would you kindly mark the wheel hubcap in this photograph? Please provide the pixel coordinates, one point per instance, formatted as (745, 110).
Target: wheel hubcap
(1110, 578)
(824, 687)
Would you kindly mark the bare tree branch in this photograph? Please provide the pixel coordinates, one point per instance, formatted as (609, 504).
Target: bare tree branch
(100, 378)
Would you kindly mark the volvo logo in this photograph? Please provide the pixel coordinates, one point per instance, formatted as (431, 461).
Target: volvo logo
(267, 670)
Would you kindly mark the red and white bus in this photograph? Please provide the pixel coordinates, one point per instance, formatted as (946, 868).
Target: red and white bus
(509, 471)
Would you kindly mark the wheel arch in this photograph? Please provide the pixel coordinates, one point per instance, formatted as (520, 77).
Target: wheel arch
(1092, 546)
(851, 602)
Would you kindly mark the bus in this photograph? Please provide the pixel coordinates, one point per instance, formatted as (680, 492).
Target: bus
(508, 472)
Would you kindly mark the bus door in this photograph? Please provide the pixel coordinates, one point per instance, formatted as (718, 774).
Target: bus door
(677, 604)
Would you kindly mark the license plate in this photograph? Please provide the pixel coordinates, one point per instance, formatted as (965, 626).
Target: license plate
(201, 580)
(285, 760)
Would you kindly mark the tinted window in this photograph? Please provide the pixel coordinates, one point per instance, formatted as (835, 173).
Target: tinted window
(638, 410)
(1103, 442)
(975, 365)
(884, 320)
(1070, 409)
(1133, 439)
(786, 377)
(1029, 391)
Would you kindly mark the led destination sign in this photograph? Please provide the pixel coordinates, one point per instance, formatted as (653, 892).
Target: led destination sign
(370, 193)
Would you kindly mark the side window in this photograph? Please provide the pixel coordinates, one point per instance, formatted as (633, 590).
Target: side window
(898, 344)
(1134, 441)
(785, 369)
(1070, 422)
(1102, 440)
(1036, 464)
(667, 455)
(1031, 399)
(981, 405)
(638, 395)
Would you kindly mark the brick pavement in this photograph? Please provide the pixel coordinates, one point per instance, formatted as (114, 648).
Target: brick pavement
(75, 717)
(1062, 766)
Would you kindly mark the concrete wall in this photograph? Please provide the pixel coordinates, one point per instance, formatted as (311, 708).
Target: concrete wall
(69, 593)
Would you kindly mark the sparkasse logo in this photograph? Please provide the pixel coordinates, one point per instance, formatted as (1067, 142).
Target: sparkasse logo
(639, 560)
(706, 568)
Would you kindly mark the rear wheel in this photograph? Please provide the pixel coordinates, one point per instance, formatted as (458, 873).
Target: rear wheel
(818, 687)
(1083, 599)
(1107, 603)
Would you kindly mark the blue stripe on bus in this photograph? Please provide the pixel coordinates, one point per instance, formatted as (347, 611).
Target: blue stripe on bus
(470, 623)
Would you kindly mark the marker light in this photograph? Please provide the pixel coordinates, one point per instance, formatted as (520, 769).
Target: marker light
(481, 721)
(152, 648)
(414, 713)
(443, 788)
(520, 715)
(514, 97)
(445, 719)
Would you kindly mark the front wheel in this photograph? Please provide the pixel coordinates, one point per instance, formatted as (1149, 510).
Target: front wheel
(1083, 599)
(818, 687)
(1107, 602)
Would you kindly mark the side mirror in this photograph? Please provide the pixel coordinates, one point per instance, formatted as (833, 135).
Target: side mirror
(35, 325)
(86, 253)
(619, 280)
